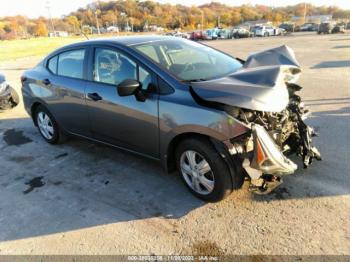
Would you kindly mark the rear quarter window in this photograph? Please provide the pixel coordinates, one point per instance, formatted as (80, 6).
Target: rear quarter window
(71, 63)
(52, 64)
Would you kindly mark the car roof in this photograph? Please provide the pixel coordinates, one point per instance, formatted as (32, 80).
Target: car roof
(125, 40)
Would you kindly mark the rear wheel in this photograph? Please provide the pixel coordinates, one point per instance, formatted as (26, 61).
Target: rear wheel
(47, 126)
(203, 170)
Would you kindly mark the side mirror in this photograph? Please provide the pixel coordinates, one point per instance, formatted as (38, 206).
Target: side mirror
(128, 87)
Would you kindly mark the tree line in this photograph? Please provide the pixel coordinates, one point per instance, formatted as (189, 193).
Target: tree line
(139, 14)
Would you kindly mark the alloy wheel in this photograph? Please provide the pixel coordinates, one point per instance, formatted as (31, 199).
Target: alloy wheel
(45, 125)
(196, 172)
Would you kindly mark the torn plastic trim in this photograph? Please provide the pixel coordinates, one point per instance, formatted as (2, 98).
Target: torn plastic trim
(267, 156)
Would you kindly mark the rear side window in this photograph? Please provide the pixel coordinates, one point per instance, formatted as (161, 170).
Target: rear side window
(71, 63)
(52, 64)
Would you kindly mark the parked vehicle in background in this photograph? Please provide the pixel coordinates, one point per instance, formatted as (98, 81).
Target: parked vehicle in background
(309, 27)
(279, 31)
(326, 27)
(225, 34)
(181, 35)
(265, 31)
(197, 35)
(241, 32)
(339, 28)
(288, 27)
(212, 117)
(253, 29)
(211, 34)
(8, 96)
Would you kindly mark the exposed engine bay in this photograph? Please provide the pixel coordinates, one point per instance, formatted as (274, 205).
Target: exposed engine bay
(263, 96)
(289, 132)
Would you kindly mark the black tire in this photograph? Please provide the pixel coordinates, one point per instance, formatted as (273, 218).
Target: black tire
(58, 136)
(220, 171)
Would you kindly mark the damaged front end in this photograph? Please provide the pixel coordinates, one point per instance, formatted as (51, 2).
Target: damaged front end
(274, 137)
(262, 96)
(8, 96)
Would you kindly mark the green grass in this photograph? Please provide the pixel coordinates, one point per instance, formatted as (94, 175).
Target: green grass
(14, 49)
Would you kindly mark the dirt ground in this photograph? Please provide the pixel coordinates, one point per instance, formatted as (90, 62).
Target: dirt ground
(86, 198)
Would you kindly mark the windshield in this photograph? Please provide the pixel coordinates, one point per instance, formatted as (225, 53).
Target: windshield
(189, 61)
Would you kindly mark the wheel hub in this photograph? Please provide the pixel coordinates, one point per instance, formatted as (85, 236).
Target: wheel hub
(197, 172)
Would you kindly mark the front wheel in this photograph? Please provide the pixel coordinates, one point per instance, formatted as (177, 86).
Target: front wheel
(203, 170)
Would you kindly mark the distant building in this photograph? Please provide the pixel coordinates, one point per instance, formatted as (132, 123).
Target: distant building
(58, 34)
(249, 24)
(113, 29)
(312, 18)
(153, 28)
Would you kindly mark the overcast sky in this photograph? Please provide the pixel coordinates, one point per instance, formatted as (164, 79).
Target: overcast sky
(35, 8)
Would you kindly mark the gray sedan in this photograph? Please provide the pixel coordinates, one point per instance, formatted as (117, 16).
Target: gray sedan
(214, 118)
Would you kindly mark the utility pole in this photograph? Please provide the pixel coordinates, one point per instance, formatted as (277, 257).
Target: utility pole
(97, 24)
(202, 22)
(48, 7)
(124, 15)
(304, 12)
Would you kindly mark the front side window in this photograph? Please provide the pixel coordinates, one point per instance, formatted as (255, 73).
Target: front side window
(189, 61)
(71, 63)
(113, 67)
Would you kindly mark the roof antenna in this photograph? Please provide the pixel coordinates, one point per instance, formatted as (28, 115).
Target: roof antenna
(85, 35)
(82, 32)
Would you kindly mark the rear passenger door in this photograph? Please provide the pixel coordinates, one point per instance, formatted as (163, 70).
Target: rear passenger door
(64, 90)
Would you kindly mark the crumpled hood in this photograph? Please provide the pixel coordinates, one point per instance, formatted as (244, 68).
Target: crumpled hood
(258, 85)
(282, 55)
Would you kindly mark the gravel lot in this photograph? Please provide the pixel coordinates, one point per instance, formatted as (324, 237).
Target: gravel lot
(85, 198)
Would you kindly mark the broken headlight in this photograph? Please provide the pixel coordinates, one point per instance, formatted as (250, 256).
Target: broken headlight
(267, 156)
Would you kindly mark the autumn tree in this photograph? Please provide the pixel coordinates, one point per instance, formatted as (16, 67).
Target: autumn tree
(40, 29)
(148, 12)
(73, 22)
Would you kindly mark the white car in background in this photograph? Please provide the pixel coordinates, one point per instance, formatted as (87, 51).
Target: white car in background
(265, 31)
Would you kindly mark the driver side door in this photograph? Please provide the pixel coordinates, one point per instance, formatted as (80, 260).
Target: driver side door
(122, 121)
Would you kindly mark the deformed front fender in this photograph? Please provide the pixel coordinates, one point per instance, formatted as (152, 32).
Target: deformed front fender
(188, 119)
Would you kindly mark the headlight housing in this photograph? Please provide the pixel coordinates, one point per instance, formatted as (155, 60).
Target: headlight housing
(267, 156)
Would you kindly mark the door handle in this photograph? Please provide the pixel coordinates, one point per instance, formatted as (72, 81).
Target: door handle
(94, 96)
(46, 82)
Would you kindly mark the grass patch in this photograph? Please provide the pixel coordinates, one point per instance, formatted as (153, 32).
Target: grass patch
(42, 46)
(14, 49)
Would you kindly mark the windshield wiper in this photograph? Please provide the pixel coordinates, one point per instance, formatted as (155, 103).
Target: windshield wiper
(194, 80)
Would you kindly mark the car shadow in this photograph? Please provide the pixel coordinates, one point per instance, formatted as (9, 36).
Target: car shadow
(54, 188)
(341, 46)
(340, 39)
(48, 189)
(326, 101)
(332, 64)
